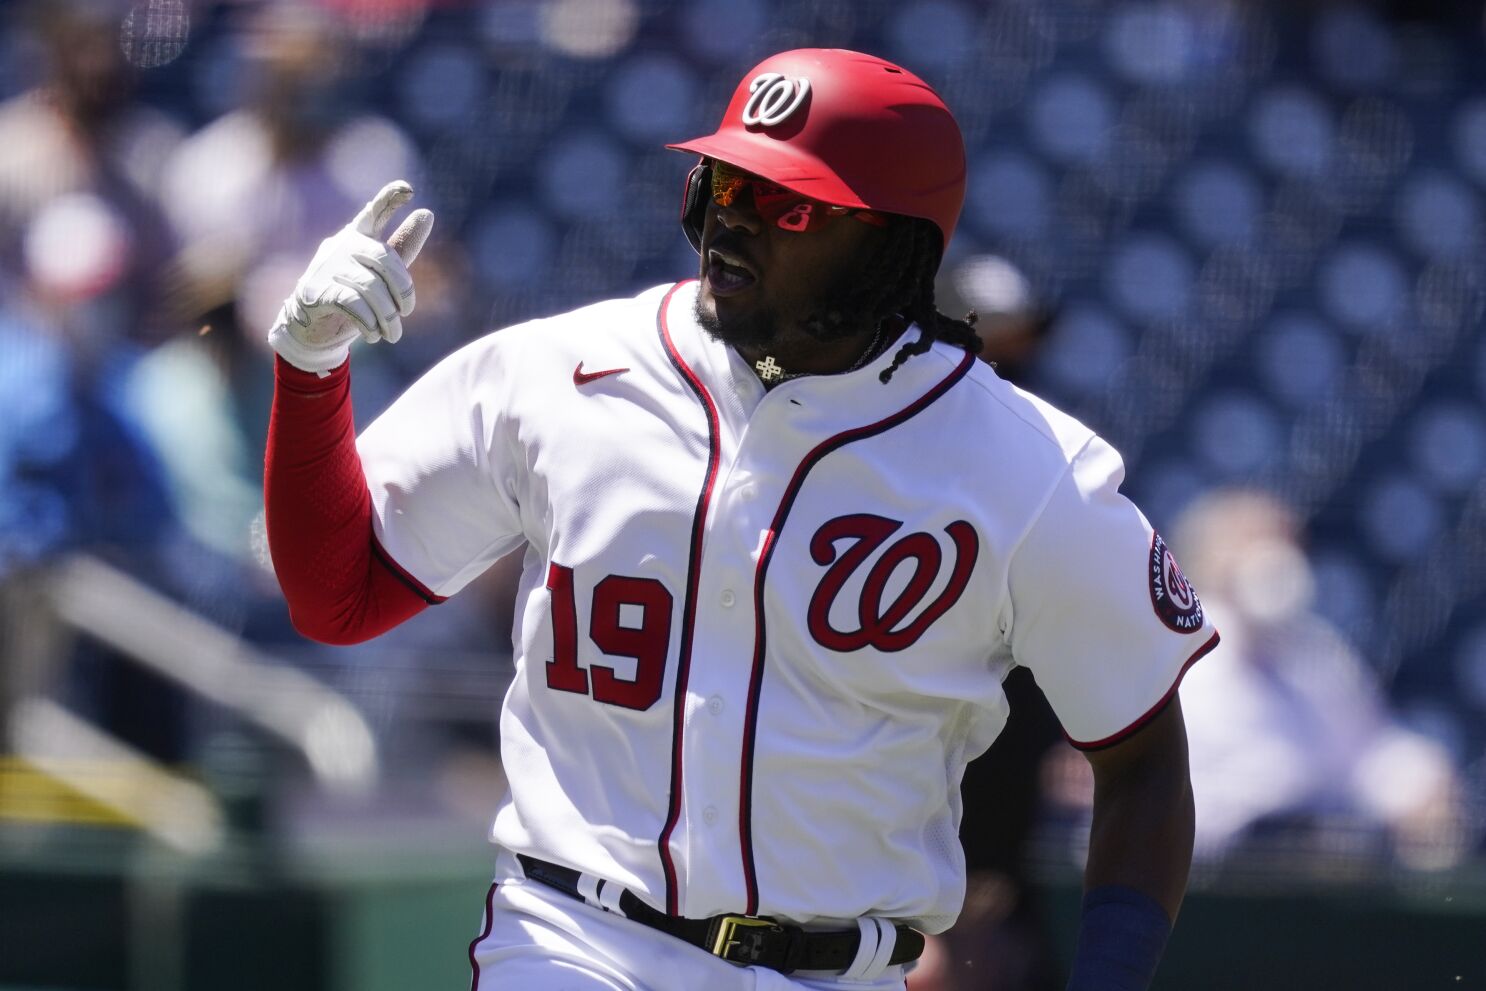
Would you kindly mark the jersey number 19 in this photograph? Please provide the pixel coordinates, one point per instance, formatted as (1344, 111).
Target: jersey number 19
(647, 642)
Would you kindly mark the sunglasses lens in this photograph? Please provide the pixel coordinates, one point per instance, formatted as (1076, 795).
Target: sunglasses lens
(775, 205)
(727, 183)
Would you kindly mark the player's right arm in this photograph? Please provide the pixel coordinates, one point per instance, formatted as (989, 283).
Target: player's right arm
(340, 589)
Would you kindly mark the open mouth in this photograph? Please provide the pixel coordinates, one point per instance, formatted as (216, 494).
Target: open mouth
(727, 274)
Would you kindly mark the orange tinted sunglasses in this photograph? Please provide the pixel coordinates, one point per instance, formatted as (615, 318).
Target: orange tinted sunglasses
(783, 208)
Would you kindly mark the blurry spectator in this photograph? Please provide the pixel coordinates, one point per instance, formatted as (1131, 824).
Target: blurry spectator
(82, 246)
(75, 469)
(253, 192)
(84, 253)
(80, 152)
(1011, 320)
(1286, 724)
(250, 195)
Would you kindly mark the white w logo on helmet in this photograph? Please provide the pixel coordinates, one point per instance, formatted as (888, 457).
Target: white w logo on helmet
(774, 97)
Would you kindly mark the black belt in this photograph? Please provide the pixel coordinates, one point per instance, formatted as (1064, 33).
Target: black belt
(740, 939)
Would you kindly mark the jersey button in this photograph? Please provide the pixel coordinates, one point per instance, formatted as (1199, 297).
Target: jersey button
(748, 493)
(727, 598)
(715, 705)
(709, 814)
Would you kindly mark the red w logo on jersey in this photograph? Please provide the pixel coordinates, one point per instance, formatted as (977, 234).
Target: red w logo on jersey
(878, 625)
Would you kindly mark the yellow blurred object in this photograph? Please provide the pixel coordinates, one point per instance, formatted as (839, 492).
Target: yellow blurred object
(89, 793)
(170, 808)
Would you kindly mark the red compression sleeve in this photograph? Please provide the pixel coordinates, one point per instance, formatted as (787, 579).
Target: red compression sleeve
(340, 587)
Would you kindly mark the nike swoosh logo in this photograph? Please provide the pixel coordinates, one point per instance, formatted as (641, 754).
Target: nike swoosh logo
(580, 377)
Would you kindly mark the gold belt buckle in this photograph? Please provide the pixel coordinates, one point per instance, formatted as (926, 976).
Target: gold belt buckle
(727, 938)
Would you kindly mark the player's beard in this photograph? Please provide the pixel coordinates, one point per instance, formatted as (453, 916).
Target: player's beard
(754, 330)
(759, 329)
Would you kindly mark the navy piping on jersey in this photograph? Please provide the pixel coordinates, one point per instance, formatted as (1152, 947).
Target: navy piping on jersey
(689, 604)
(484, 935)
(403, 575)
(1154, 710)
(750, 719)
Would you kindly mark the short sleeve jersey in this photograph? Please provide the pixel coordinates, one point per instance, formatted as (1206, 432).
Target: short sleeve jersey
(760, 633)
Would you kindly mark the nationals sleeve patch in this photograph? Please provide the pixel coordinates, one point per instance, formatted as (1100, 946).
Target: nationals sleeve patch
(1173, 597)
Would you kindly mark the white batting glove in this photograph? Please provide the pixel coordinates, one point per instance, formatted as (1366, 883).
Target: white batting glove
(355, 285)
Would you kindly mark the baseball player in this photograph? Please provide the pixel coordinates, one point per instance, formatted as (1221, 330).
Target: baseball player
(784, 537)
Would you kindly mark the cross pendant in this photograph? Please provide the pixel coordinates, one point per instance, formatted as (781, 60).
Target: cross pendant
(767, 370)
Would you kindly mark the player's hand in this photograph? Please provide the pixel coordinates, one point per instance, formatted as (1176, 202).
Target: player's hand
(355, 285)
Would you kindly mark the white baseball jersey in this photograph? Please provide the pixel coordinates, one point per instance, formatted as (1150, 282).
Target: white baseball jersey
(760, 634)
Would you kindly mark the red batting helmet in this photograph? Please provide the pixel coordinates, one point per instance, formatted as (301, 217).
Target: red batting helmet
(844, 128)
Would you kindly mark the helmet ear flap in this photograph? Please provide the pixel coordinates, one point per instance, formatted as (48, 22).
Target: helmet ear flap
(694, 204)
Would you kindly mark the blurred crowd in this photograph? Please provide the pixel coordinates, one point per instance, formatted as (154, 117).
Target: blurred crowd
(139, 261)
(1242, 240)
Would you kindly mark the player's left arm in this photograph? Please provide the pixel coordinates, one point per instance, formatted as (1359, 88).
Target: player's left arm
(1112, 677)
(1143, 820)
(1140, 850)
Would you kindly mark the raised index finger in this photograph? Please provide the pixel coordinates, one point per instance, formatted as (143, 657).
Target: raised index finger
(374, 216)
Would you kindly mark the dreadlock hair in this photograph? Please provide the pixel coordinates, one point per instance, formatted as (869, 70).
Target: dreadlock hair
(897, 284)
